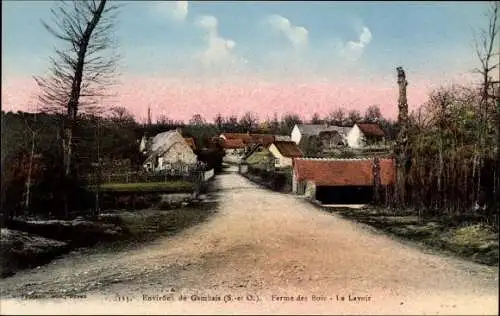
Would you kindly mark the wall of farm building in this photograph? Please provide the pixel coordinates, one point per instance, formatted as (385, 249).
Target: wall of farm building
(310, 191)
(295, 135)
(281, 161)
(179, 152)
(355, 137)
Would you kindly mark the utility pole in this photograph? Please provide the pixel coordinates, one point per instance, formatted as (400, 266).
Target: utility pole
(149, 116)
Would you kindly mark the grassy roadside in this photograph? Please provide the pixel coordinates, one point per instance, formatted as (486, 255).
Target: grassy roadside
(465, 238)
(172, 186)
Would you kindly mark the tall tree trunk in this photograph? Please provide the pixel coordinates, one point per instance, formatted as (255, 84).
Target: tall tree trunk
(402, 139)
(72, 107)
(30, 168)
(497, 173)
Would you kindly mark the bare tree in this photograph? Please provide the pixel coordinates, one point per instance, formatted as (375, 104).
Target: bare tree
(249, 121)
(121, 116)
(337, 117)
(316, 119)
(80, 71)
(373, 114)
(33, 133)
(219, 121)
(288, 121)
(164, 120)
(486, 51)
(353, 117)
(197, 119)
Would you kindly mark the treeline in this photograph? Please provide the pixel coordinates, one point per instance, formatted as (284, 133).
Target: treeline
(32, 171)
(283, 125)
(452, 165)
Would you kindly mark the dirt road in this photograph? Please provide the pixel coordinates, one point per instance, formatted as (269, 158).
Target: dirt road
(272, 253)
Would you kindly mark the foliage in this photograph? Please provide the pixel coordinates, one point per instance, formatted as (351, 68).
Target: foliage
(148, 186)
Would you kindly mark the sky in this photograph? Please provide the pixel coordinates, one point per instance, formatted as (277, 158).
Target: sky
(187, 57)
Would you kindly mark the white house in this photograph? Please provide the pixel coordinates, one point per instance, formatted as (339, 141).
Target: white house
(284, 152)
(300, 131)
(169, 150)
(363, 134)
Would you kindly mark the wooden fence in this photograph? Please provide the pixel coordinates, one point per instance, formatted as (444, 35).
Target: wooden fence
(141, 177)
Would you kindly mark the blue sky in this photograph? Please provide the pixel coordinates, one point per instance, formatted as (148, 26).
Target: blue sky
(330, 44)
(434, 36)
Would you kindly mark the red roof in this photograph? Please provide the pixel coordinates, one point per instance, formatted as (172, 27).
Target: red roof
(343, 172)
(233, 143)
(288, 149)
(242, 136)
(371, 129)
(264, 139)
(190, 142)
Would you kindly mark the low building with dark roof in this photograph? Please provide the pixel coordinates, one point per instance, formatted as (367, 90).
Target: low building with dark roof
(365, 134)
(284, 152)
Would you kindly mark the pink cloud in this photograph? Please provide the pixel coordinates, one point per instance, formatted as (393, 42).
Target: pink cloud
(180, 99)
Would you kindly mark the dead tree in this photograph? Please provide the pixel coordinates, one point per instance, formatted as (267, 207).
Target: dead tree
(401, 149)
(81, 70)
(486, 52)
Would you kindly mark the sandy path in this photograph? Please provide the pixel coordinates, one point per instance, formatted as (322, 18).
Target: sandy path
(262, 245)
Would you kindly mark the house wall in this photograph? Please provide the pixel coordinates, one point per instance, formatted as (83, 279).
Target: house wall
(310, 190)
(142, 145)
(179, 152)
(294, 181)
(330, 140)
(281, 161)
(295, 135)
(236, 152)
(355, 137)
(243, 168)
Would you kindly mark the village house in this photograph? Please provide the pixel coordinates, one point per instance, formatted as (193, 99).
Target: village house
(231, 142)
(169, 151)
(260, 157)
(328, 136)
(340, 180)
(284, 152)
(249, 139)
(234, 149)
(365, 134)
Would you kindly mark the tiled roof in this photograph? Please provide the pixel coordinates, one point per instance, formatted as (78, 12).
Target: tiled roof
(190, 142)
(264, 139)
(233, 143)
(288, 149)
(315, 129)
(343, 172)
(371, 129)
(285, 138)
(243, 136)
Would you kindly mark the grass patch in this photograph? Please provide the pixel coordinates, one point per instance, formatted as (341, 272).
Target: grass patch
(469, 240)
(171, 186)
